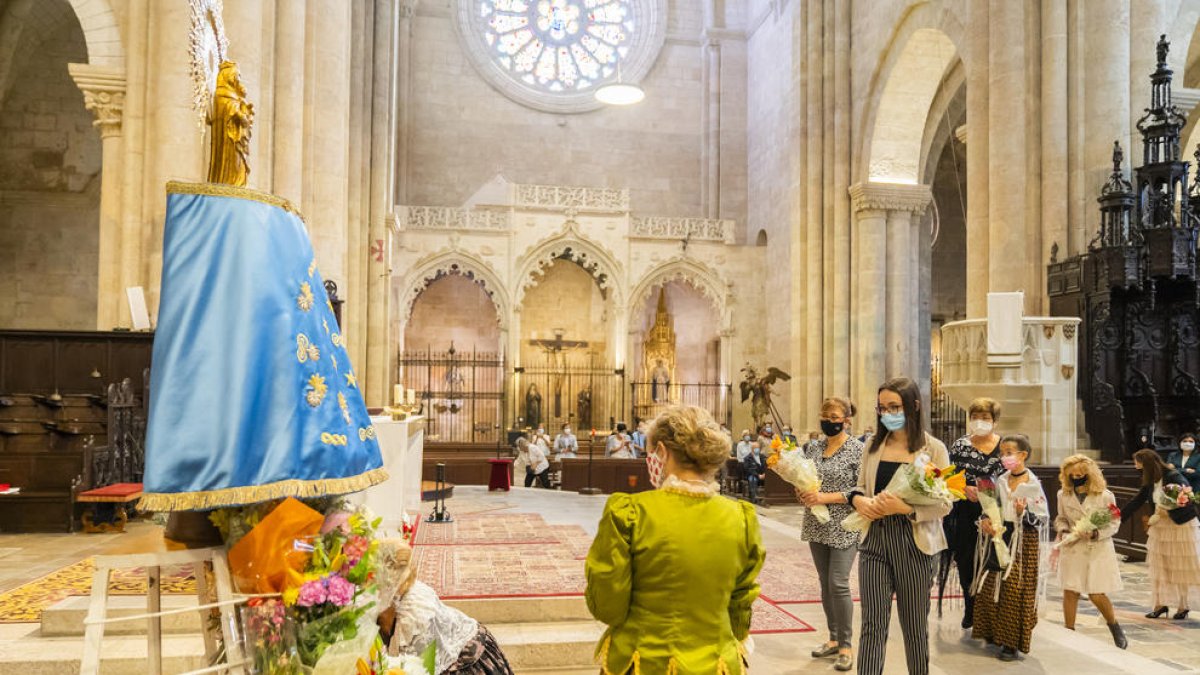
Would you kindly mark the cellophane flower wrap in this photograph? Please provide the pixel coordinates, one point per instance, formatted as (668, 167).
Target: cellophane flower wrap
(333, 598)
(1173, 496)
(918, 484)
(1096, 519)
(270, 638)
(380, 663)
(800, 471)
(989, 501)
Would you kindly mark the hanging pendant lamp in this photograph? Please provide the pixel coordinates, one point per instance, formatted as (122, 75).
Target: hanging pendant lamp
(620, 93)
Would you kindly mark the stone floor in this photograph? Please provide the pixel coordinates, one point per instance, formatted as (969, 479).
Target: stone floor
(1157, 646)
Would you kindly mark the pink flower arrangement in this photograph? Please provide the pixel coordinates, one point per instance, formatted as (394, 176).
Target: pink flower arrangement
(312, 593)
(341, 591)
(354, 549)
(336, 520)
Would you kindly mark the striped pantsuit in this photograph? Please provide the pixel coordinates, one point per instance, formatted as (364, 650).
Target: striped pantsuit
(890, 562)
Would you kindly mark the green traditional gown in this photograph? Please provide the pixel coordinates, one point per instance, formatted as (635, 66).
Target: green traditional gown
(672, 572)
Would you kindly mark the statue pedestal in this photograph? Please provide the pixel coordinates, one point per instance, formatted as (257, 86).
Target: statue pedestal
(1034, 383)
(402, 443)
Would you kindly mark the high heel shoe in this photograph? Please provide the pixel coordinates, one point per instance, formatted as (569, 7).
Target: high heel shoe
(1181, 615)
(1118, 636)
(1154, 614)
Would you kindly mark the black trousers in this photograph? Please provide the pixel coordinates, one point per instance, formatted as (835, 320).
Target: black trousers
(542, 478)
(962, 533)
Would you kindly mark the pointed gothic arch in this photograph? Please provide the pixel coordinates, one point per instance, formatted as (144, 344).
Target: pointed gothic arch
(460, 262)
(570, 244)
(695, 273)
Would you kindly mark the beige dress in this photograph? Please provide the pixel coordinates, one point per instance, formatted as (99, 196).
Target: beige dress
(1173, 554)
(1087, 566)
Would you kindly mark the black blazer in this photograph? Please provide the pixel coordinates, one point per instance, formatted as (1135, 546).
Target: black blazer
(1193, 463)
(750, 466)
(1178, 516)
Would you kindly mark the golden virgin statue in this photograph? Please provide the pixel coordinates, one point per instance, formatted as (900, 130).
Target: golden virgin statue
(229, 124)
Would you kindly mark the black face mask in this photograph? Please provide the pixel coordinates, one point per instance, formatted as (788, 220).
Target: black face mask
(832, 429)
(1079, 482)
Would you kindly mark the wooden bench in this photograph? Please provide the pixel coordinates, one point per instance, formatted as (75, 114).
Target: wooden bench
(118, 495)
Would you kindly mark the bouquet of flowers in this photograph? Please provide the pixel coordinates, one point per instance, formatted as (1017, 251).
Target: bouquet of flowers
(1096, 520)
(330, 597)
(1173, 496)
(918, 484)
(792, 466)
(270, 638)
(990, 502)
(380, 663)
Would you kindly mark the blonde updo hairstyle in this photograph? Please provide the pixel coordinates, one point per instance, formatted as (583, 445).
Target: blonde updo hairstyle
(692, 436)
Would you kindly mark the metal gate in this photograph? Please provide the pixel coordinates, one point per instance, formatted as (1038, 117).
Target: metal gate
(947, 420)
(649, 399)
(462, 394)
(578, 389)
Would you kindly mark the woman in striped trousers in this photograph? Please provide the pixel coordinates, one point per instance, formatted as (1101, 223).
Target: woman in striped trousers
(897, 550)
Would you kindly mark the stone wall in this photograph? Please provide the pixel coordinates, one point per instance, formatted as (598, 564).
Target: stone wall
(49, 184)
(565, 297)
(453, 309)
(463, 132)
(697, 338)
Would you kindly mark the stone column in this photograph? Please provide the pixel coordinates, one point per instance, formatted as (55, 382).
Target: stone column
(1148, 19)
(405, 12)
(104, 94)
(887, 335)
(1008, 177)
(710, 186)
(977, 159)
(288, 166)
(1106, 98)
(1055, 186)
(867, 357)
(809, 368)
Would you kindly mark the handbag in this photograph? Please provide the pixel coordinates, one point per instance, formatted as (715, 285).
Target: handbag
(991, 563)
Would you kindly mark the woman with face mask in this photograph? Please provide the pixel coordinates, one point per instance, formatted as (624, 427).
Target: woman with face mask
(897, 551)
(673, 571)
(1087, 566)
(1186, 460)
(1172, 537)
(837, 456)
(978, 455)
(1006, 598)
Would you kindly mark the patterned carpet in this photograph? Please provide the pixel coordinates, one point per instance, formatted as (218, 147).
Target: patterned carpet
(24, 604)
(520, 555)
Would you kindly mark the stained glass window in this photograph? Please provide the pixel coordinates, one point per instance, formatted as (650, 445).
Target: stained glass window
(562, 46)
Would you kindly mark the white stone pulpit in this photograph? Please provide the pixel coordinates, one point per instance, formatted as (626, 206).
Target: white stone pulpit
(402, 443)
(1028, 364)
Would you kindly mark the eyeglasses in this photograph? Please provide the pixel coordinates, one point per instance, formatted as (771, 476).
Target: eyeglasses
(889, 410)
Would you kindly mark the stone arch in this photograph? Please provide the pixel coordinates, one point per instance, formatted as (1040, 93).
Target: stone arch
(570, 244)
(923, 50)
(101, 32)
(700, 276)
(467, 264)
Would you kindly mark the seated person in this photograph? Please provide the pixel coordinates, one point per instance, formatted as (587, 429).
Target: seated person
(743, 446)
(414, 617)
(755, 467)
(565, 444)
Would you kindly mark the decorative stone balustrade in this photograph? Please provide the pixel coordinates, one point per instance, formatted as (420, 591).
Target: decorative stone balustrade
(451, 218)
(696, 229)
(578, 199)
(1037, 390)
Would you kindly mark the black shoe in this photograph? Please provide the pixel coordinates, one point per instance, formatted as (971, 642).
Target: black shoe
(1007, 654)
(1118, 636)
(967, 622)
(1180, 615)
(1154, 614)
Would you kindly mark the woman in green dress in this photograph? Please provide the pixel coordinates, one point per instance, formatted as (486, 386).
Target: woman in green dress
(673, 571)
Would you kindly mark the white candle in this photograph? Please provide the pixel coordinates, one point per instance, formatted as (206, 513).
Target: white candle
(397, 395)
(412, 396)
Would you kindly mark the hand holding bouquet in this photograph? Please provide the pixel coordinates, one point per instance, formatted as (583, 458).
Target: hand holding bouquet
(989, 500)
(1096, 520)
(1173, 496)
(795, 468)
(918, 484)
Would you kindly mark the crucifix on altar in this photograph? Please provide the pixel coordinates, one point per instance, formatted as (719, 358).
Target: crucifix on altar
(556, 350)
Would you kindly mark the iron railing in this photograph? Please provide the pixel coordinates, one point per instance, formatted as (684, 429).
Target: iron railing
(649, 399)
(947, 420)
(462, 394)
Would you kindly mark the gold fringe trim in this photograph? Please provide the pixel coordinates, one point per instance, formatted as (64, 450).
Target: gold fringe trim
(237, 496)
(221, 190)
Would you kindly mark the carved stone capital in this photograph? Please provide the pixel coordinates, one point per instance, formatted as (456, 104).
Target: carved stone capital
(408, 8)
(890, 197)
(103, 93)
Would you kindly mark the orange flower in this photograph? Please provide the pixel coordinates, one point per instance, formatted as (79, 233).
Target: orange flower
(957, 484)
(777, 444)
(772, 459)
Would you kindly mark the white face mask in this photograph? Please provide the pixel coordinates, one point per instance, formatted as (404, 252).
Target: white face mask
(1187, 446)
(980, 427)
(654, 464)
